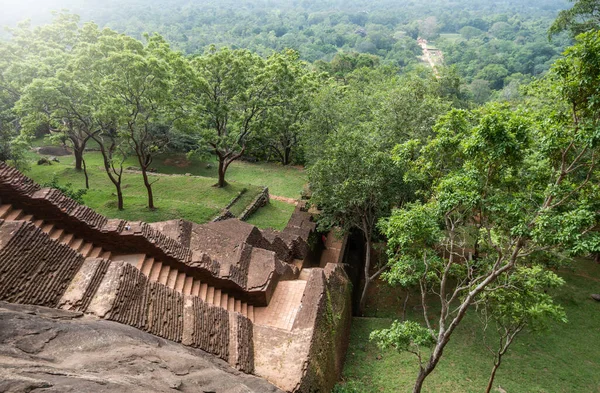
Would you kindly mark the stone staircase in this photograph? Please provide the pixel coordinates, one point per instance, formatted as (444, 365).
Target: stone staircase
(155, 270)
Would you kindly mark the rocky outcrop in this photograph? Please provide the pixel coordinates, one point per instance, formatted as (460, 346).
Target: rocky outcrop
(63, 351)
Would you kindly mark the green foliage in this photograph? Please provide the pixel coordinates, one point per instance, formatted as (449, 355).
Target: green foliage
(534, 363)
(67, 189)
(582, 17)
(350, 195)
(514, 189)
(523, 300)
(407, 336)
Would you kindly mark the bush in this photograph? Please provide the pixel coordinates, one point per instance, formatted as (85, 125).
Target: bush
(76, 195)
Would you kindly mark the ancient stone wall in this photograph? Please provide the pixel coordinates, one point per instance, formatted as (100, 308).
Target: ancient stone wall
(241, 352)
(35, 269)
(261, 200)
(224, 215)
(206, 327)
(331, 316)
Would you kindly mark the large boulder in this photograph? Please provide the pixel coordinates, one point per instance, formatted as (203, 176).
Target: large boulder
(63, 351)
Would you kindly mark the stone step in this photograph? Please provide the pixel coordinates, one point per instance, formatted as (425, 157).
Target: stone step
(132, 259)
(95, 253)
(224, 300)
(38, 223)
(147, 266)
(76, 244)
(155, 271)
(14, 215)
(47, 228)
(188, 286)
(5, 210)
(180, 282)
(251, 313)
(163, 277)
(86, 249)
(106, 255)
(56, 233)
(173, 273)
(217, 298)
(27, 217)
(203, 291)
(304, 274)
(196, 288)
(210, 295)
(66, 238)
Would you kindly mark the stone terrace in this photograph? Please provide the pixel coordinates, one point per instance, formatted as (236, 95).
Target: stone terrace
(225, 287)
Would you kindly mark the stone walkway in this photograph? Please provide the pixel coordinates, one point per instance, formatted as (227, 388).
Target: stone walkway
(283, 307)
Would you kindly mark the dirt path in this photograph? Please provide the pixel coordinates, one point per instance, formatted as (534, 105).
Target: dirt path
(428, 54)
(291, 201)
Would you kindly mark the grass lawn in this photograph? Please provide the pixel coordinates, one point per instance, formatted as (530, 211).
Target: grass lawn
(564, 359)
(452, 37)
(273, 215)
(191, 198)
(287, 181)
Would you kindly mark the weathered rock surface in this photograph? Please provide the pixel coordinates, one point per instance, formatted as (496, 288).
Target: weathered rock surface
(62, 351)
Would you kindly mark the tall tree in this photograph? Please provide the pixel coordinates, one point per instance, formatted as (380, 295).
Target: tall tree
(353, 185)
(488, 206)
(136, 83)
(63, 103)
(231, 89)
(523, 303)
(39, 53)
(583, 16)
(282, 123)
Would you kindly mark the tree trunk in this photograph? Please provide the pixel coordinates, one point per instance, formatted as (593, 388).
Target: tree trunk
(119, 196)
(404, 306)
(493, 375)
(78, 152)
(87, 179)
(115, 178)
(363, 297)
(286, 156)
(148, 188)
(222, 169)
(420, 379)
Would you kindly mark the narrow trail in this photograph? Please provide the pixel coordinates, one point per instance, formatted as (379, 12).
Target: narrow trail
(291, 201)
(430, 55)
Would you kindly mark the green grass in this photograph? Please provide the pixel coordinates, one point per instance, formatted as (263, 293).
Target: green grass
(191, 198)
(175, 197)
(273, 215)
(246, 199)
(564, 359)
(452, 37)
(287, 181)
